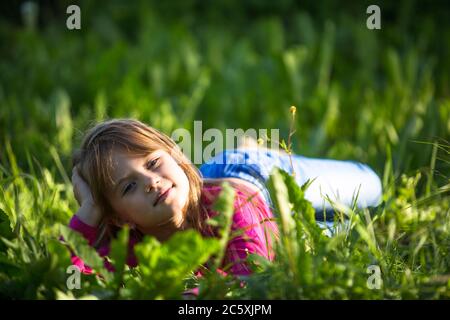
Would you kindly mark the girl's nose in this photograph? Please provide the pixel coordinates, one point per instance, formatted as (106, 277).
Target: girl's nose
(151, 183)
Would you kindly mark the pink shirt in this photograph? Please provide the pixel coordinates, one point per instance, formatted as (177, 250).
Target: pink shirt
(251, 215)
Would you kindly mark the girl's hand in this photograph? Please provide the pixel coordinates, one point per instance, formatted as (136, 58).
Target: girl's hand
(88, 212)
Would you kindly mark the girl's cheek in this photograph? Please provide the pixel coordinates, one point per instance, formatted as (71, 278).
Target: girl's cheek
(126, 204)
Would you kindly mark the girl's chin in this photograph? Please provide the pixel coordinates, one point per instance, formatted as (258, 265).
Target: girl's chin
(162, 230)
(164, 220)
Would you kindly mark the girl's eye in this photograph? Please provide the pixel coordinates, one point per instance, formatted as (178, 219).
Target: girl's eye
(152, 163)
(128, 187)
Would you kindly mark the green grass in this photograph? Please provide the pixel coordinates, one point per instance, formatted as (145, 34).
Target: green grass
(380, 97)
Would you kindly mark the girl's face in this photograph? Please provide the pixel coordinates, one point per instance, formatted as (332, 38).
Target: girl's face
(148, 191)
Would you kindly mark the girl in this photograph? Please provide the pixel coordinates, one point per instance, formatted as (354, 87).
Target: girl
(129, 173)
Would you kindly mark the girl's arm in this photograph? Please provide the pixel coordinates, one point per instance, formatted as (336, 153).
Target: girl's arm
(88, 215)
(86, 219)
(83, 222)
(89, 232)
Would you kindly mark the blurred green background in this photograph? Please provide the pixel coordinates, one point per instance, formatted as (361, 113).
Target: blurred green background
(232, 64)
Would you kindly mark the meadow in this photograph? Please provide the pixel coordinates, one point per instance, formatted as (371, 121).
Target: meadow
(381, 97)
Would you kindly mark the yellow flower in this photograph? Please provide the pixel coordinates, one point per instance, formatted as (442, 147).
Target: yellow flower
(293, 109)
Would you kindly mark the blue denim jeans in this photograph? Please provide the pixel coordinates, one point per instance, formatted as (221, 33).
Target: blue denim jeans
(344, 182)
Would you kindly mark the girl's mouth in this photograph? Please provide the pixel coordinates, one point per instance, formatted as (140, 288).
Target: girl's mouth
(162, 196)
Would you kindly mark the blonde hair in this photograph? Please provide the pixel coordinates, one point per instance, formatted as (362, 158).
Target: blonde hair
(94, 160)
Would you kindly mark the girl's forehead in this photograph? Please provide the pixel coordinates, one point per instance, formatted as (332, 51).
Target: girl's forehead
(123, 158)
(130, 154)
